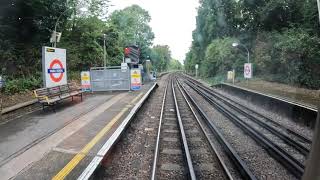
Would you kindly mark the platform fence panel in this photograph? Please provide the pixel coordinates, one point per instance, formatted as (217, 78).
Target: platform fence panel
(109, 79)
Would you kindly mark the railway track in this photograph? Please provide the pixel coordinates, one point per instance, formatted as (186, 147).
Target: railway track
(172, 156)
(265, 120)
(190, 142)
(241, 119)
(184, 149)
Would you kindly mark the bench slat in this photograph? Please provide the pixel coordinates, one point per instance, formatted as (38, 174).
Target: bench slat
(51, 95)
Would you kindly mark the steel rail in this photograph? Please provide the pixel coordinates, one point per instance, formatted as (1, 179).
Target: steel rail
(242, 167)
(213, 147)
(156, 152)
(294, 166)
(183, 136)
(302, 149)
(294, 133)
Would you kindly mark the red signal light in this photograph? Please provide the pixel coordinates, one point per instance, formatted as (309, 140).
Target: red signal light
(127, 51)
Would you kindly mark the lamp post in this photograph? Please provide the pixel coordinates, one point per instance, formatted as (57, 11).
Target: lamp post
(56, 25)
(235, 44)
(104, 51)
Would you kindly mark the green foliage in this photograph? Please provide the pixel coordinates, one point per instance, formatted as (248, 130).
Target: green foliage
(282, 36)
(221, 57)
(293, 59)
(132, 24)
(26, 26)
(21, 85)
(160, 57)
(175, 65)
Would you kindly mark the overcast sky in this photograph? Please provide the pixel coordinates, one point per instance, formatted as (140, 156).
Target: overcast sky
(172, 22)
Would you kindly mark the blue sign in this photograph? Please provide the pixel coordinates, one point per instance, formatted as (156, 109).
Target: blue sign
(58, 70)
(1, 83)
(135, 88)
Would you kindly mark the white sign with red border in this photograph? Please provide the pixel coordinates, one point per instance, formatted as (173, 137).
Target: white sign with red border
(54, 66)
(247, 70)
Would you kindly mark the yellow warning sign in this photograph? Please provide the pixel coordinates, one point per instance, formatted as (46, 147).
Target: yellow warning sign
(135, 79)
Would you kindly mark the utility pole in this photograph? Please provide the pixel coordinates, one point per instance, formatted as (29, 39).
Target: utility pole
(235, 44)
(104, 51)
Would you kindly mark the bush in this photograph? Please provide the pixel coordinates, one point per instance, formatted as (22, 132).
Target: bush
(290, 57)
(221, 57)
(21, 85)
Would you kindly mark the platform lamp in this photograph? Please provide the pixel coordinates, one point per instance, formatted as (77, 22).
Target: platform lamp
(235, 44)
(56, 35)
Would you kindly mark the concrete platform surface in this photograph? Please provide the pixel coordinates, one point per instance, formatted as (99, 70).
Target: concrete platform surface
(57, 145)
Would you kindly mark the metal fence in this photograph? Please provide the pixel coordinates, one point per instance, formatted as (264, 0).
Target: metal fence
(109, 78)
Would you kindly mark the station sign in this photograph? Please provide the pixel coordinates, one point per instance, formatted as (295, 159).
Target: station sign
(54, 66)
(247, 70)
(85, 81)
(135, 79)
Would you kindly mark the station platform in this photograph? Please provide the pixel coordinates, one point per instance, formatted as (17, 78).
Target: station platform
(61, 144)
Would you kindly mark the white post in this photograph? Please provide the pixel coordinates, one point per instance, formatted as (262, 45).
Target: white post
(196, 66)
(318, 2)
(233, 75)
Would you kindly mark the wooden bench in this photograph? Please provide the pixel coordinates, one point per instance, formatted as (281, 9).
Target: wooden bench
(51, 96)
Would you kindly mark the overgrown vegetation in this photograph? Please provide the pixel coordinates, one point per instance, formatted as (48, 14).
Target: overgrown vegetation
(27, 25)
(282, 36)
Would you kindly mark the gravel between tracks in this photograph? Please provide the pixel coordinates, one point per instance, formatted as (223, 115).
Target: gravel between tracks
(289, 123)
(205, 162)
(258, 160)
(132, 157)
(269, 135)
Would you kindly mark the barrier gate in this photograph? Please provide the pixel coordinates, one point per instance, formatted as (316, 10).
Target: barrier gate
(109, 78)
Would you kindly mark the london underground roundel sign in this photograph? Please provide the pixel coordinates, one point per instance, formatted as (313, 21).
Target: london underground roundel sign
(247, 70)
(54, 66)
(56, 70)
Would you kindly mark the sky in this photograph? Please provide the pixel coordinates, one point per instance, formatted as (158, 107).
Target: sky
(172, 22)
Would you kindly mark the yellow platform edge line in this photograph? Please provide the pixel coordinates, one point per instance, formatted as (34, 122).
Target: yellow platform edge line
(82, 154)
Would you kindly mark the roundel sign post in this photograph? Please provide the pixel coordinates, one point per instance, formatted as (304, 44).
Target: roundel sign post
(54, 66)
(247, 70)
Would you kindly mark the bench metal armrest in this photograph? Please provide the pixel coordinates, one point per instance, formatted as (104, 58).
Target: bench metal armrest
(41, 97)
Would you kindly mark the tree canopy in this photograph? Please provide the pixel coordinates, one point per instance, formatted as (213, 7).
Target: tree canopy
(282, 37)
(27, 25)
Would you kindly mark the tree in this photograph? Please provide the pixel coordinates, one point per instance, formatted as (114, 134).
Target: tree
(132, 24)
(282, 36)
(160, 57)
(175, 65)
(27, 25)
